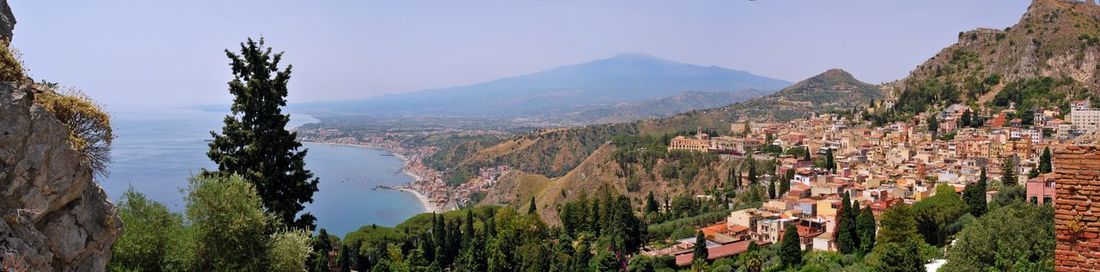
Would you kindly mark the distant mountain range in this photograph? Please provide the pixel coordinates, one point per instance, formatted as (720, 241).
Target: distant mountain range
(594, 91)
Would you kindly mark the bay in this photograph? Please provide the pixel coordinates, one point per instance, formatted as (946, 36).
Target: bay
(156, 152)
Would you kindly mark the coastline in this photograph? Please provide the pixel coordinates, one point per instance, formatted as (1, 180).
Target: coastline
(429, 207)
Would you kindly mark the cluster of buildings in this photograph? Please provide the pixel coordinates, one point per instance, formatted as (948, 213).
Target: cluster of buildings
(879, 167)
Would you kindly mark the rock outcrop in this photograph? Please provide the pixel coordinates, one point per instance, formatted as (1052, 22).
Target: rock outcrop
(54, 216)
(7, 21)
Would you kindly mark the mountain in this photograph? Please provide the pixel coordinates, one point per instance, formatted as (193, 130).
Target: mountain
(663, 107)
(626, 78)
(1056, 39)
(554, 153)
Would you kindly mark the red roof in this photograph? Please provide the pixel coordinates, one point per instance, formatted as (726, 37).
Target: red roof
(716, 252)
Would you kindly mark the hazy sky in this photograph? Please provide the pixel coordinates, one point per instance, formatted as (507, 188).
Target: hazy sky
(141, 53)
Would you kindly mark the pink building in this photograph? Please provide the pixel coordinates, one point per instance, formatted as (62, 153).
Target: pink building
(1040, 190)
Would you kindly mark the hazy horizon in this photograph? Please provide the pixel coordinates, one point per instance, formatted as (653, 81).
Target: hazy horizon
(170, 54)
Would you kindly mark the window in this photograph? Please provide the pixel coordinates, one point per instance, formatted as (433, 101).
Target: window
(1047, 200)
(1034, 200)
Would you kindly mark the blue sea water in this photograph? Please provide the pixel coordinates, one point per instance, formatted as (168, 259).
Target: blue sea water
(155, 153)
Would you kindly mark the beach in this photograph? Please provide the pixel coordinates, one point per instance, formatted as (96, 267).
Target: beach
(429, 207)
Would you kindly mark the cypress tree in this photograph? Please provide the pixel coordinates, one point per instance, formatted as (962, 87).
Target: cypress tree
(975, 195)
(345, 260)
(843, 235)
(771, 189)
(1008, 172)
(752, 170)
(531, 209)
(1044, 161)
(790, 249)
(650, 203)
(699, 251)
(254, 142)
(865, 225)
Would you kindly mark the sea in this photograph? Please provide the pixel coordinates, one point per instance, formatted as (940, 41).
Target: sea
(155, 153)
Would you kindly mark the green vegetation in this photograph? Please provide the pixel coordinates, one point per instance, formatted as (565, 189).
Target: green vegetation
(1017, 237)
(254, 142)
(1039, 92)
(974, 194)
(11, 68)
(790, 249)
(90, 132)
(936, 213)
(597, 235)
(226, 230)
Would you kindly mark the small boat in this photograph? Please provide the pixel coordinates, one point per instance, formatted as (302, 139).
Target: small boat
(388, 154)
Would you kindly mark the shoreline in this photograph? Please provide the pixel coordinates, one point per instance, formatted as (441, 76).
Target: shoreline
(429, 207)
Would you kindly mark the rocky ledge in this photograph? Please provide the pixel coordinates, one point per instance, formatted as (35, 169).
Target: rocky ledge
(53, 216)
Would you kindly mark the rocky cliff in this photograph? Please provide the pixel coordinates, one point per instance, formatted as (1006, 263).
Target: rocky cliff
(53, 216)
(7, 21)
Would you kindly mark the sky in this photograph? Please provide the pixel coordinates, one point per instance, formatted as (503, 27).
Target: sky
(155, 54)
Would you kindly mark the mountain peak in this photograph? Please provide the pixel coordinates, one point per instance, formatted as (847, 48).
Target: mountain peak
(836, 73)
(634, 55)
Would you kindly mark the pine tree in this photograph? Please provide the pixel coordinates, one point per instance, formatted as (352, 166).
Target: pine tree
(830, 161)
(254, 142)
(1045, 165)
(790, 249)
(699, 251)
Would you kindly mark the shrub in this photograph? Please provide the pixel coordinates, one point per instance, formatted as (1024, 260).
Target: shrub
(154, 238)
(289, 250)
(89, 126)
(11, 68)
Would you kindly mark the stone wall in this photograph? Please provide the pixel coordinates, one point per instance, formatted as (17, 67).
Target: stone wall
(1077, 208)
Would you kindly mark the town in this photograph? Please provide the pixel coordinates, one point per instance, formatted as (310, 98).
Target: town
(880, 167)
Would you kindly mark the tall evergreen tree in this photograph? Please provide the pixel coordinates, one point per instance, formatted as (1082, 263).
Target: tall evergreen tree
(843, 235)
(771, 189)
(254, 142)
(1008, 172)
(865, 226)
(830, 160)
(1044, 162)
(785, 184)
(650, 204)
(752, 170)
(966, 119)
(790, 249)
(974, 195)
(699, 250)
(933, 125)
(531, 209)
(344, 260)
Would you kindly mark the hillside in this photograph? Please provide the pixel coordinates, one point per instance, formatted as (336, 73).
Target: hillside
(663, 107)
(1054, 38)
(555, 153)
(626, 78)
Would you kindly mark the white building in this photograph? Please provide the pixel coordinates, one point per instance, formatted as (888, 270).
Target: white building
(1084, 117)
